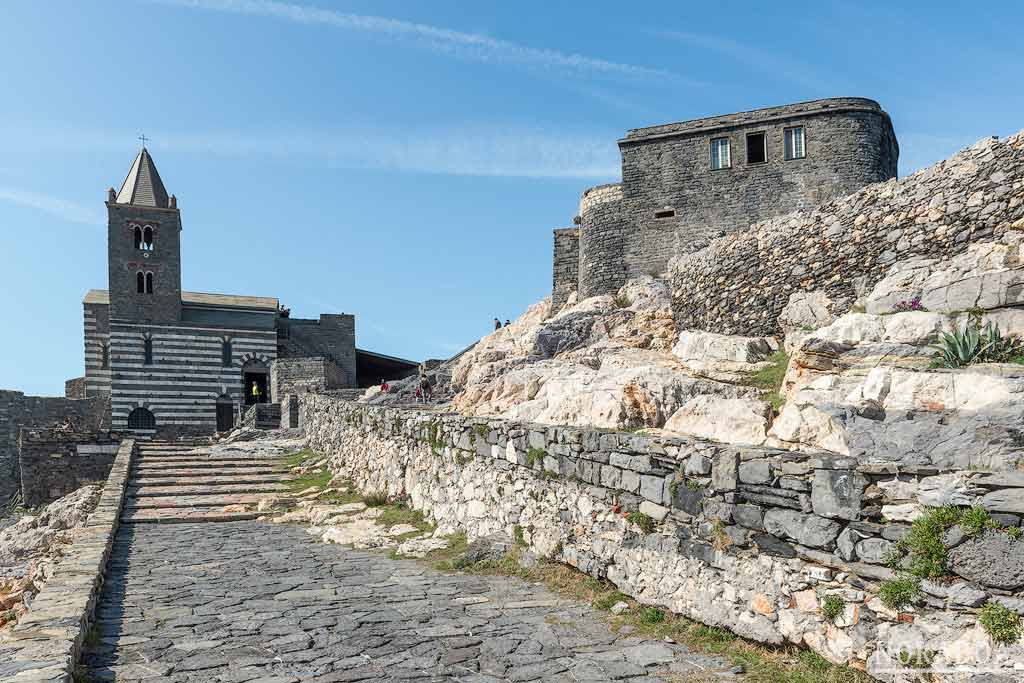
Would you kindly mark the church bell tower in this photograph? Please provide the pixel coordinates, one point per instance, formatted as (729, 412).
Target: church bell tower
(143, 247)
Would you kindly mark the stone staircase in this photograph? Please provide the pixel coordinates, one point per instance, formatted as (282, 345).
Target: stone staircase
(182, 481)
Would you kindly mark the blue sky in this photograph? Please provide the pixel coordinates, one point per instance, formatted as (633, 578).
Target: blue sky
(406, 162)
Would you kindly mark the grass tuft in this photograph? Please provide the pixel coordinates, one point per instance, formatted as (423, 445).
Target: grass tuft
(1002, 624)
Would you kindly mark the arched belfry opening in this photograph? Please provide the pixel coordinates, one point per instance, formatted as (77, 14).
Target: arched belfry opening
(255, 382)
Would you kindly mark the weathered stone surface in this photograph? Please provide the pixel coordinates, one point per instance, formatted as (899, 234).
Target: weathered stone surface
(729, 420)
(805, 529)
(725, 471)
(837, 493)
(992, 559)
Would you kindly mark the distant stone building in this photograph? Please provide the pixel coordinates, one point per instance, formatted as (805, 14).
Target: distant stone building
(684, 184)
(175, 362)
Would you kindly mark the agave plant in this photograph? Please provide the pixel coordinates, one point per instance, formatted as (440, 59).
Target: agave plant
(973, 344)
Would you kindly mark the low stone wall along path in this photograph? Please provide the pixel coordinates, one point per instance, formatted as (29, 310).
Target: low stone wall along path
(248, 601)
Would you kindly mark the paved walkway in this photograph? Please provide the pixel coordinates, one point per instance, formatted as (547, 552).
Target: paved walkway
(243, 600)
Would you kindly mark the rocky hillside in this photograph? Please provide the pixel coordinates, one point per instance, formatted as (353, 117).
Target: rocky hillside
(31, 547)
(854, 373)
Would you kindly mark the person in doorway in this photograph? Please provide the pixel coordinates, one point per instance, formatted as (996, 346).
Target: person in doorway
(255, 391)
(497, 324)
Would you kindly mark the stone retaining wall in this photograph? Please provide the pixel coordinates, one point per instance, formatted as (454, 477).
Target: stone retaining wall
(740, 283)
(18, 411)
(55, 463)
(45, 644)
(750, 539)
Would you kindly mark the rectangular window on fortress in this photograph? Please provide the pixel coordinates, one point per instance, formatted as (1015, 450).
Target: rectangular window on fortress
(795, 143)
(720, 156)
(757, 150)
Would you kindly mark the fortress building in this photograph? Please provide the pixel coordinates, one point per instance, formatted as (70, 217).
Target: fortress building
(175, 362)
(684, 184)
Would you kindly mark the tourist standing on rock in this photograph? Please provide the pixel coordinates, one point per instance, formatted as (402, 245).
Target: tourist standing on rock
(384, 386)
(497, 324)
(507, 323)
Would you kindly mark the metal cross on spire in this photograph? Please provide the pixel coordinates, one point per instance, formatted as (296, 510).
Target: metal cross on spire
(143, 138)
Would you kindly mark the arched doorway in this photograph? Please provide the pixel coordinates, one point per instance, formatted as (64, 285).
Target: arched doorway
(225, 413)
(254, 382)
(141, 418)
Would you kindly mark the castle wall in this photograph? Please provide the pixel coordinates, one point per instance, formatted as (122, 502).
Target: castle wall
(601, 267)
(740, 283)
(301, 375)
(566, 269)
(187, 375)
(19, 411)
(332, 336)
(749, 539)
(849, 143)
(55, 463)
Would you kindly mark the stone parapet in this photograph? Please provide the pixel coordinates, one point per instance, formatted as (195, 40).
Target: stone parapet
(45, 644)
(54, 463)
(748, 538)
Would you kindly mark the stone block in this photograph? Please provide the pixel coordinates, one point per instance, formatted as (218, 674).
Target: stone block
(755, 472)
(629, 481)
(837, 493)
(725, 471)
(697, 465)
(652, 488)
(656, 512)
(611, 477)
(806, 529)
(688, 500)
(749, 516)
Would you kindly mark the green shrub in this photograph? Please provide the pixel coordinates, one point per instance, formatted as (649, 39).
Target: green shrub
(1001, 623)
(831, 607)
(975, 344)
(921, 659)
(1014, 532)
(769, 378)
(898, 593)
(535, 456)
(651, 615)
(517, 534)
(375, 500)
(642, 520)
(924, 544)
(976, 520)
(622, 301)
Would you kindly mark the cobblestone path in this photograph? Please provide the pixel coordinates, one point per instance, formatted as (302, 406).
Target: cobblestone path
(217, 598)
(252, 601)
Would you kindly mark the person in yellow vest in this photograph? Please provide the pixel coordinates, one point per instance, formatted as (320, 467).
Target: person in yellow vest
(255, 392)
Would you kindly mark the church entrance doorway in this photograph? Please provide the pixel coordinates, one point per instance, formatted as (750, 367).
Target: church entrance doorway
(225, 413)
(254, 383)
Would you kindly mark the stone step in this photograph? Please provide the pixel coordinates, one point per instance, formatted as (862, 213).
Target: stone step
(144, 464)
(207, 479)
(146, 490)
(184, 472)
(213, 499)
(185, 515)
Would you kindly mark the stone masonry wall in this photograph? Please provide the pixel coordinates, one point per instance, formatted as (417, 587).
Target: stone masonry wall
(566, 266)
(332, 335)
(601, 267)
(750, 539)
(299, 375)
(740, 283)
(18, 410)
(55, 463)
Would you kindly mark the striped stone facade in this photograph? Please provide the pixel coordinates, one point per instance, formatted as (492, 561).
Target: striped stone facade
(183, 358)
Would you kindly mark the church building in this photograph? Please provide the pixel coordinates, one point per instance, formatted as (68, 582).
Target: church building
(179, 363)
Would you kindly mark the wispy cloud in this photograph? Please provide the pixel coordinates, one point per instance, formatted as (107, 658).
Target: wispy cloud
(757, 60)
(470, 150)
(61, 208)
(463, 45)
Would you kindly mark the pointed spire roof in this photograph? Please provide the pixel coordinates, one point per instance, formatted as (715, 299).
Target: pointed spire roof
(143, 186)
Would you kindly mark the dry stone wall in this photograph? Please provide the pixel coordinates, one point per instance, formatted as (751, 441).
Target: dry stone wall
(751, 539)
(740, 283)
(54, 463)
(566, 266)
